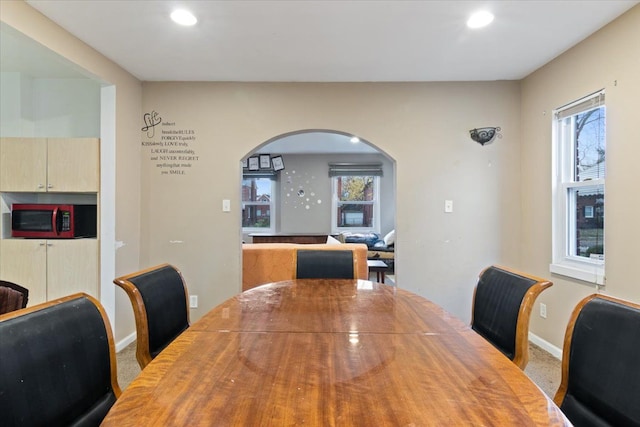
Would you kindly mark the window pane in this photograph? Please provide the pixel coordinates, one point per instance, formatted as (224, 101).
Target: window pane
(589, 221)
(256, 190)
(355, 215)
(590, 145)
(355, 188)
(255, 216)
(256, 202)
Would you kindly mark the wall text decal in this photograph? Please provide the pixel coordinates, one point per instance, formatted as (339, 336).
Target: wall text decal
(171, 149)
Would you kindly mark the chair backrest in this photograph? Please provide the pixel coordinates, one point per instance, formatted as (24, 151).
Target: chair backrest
(159, 299)
(321, 264)
(57, 364)
(600, 383)
(502, 304)
(12, 297)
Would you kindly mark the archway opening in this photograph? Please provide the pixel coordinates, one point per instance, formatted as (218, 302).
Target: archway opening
(314, 186)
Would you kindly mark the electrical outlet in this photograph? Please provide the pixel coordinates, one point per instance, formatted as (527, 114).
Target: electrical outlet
(193, 301)
(543, 310)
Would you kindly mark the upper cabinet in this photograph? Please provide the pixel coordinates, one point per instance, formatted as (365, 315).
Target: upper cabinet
(61, 165)
(23, 164)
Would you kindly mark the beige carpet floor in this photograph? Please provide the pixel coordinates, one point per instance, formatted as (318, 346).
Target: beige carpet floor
(543, 368)
(128, 367)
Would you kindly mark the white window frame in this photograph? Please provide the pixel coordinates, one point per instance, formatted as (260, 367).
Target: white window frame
(271, 209)
(334, 208)
(563, 207)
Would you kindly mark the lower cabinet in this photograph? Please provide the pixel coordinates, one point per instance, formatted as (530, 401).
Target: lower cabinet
(51, 269)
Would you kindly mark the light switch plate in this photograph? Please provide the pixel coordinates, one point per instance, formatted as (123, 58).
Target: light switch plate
(226, 205)
(448, 206)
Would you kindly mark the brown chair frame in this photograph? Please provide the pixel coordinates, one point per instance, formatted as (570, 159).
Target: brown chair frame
(521, 354)
(143, 353)
(568, 337)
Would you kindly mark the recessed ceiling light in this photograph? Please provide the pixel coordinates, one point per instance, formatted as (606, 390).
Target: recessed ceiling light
(480, 19)
(355, 140)
(183, 17)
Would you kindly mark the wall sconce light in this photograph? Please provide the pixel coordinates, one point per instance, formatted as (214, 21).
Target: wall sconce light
(484, 135)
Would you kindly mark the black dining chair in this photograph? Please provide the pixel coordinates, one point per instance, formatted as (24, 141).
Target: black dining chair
(57, 364)
(324, 264)
(12, 296)
(160, 306)
(502, 304)
(600, 384)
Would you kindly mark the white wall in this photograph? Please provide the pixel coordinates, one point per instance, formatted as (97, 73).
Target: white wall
(66, 107)
(16, 105)
(49, 107)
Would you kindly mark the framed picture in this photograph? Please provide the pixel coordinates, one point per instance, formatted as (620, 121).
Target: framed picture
(265, 161)
(278, 164)
(245, 163)
(253, 164)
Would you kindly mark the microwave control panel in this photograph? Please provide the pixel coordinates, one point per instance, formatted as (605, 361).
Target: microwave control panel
(66, 221)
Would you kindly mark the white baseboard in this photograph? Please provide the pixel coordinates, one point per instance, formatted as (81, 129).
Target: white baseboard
(546, 346)
(120, 345)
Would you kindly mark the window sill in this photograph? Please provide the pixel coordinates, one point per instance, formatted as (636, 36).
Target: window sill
(258, 230)
(593, 274)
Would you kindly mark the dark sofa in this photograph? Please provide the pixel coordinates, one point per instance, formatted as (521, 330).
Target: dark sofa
(376, 247)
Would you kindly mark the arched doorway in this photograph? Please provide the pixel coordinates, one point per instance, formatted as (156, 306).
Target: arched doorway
(308, 183)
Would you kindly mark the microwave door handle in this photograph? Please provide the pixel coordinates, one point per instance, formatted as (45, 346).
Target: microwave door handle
(55, 220)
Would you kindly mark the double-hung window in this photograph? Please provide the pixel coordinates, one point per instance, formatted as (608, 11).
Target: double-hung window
(356, 197)
(258, 202)
(579, 189)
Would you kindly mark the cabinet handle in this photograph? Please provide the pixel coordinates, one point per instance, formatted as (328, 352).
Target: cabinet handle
(41, 243)
(49, 186)
(49, 244)
(40, 186)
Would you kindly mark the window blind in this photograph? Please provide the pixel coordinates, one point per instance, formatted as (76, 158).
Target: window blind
(355, 169)
(589, 102)
(259, 174)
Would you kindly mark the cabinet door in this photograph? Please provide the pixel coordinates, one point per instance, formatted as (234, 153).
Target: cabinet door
(23, 164)
(24, 262)
(73, 165)
(72, 266)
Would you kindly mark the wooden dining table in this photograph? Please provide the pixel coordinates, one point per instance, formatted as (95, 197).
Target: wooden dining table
(331, 353)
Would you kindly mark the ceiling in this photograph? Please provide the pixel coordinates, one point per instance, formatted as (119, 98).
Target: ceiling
(331, 41)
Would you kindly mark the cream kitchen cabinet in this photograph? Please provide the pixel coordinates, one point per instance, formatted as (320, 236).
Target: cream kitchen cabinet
(52, 268)
(49, 165)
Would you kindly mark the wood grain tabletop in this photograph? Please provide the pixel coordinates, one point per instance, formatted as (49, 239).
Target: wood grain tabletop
(331, 353)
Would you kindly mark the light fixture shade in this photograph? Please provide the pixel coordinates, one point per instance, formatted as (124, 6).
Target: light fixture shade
(484, 135)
